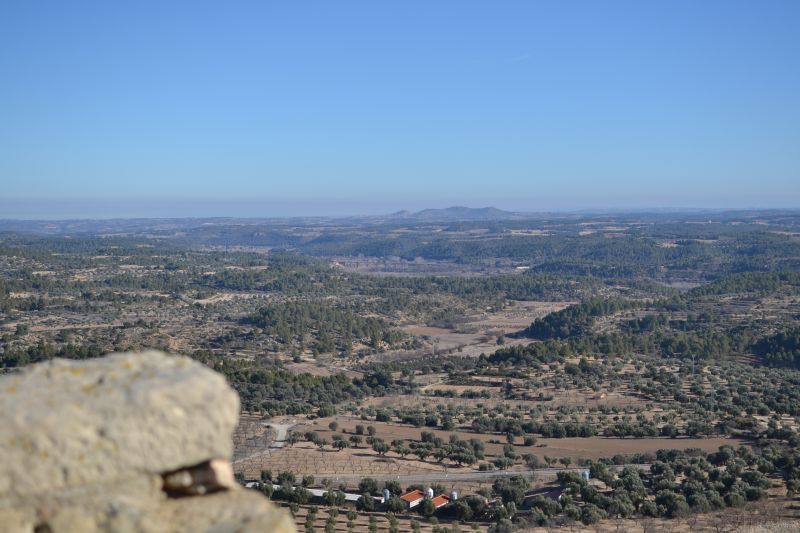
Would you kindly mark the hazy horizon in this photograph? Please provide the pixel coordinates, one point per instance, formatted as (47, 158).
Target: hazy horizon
(100, 209)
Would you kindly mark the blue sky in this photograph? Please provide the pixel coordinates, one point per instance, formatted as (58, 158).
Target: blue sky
(265, 108)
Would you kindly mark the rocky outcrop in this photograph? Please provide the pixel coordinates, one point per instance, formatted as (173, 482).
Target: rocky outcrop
(136, 442)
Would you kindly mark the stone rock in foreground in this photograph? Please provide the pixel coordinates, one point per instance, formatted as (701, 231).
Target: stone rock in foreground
(109, 445)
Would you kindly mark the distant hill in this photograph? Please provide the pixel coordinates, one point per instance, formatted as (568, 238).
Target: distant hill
(457, 213)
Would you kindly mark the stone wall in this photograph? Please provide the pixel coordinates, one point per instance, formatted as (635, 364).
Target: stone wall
(133, 442)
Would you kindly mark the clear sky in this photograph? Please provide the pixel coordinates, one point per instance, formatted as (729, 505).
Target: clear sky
(298, 107)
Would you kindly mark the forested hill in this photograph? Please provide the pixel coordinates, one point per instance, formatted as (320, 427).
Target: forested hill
(747, 314)
(781, 349)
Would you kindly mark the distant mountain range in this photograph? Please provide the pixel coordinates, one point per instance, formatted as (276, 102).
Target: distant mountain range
(455, 213)
(125, 226)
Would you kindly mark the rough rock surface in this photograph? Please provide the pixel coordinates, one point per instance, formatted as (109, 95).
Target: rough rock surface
(102, 445)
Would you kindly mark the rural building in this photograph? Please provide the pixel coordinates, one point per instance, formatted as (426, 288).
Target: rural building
(316, 493)
(413, 498)
(440, 501)
(553, 493)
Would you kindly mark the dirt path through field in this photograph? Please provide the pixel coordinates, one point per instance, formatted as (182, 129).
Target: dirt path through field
(280, 433)
(276, 441)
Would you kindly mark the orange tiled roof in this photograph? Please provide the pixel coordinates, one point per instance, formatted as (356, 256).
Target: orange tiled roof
(440, 500)
(412, 496)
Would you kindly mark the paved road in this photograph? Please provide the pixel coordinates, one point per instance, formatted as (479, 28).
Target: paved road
(439, 477)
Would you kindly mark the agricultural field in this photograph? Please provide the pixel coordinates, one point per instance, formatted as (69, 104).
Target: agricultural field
(607, 373)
